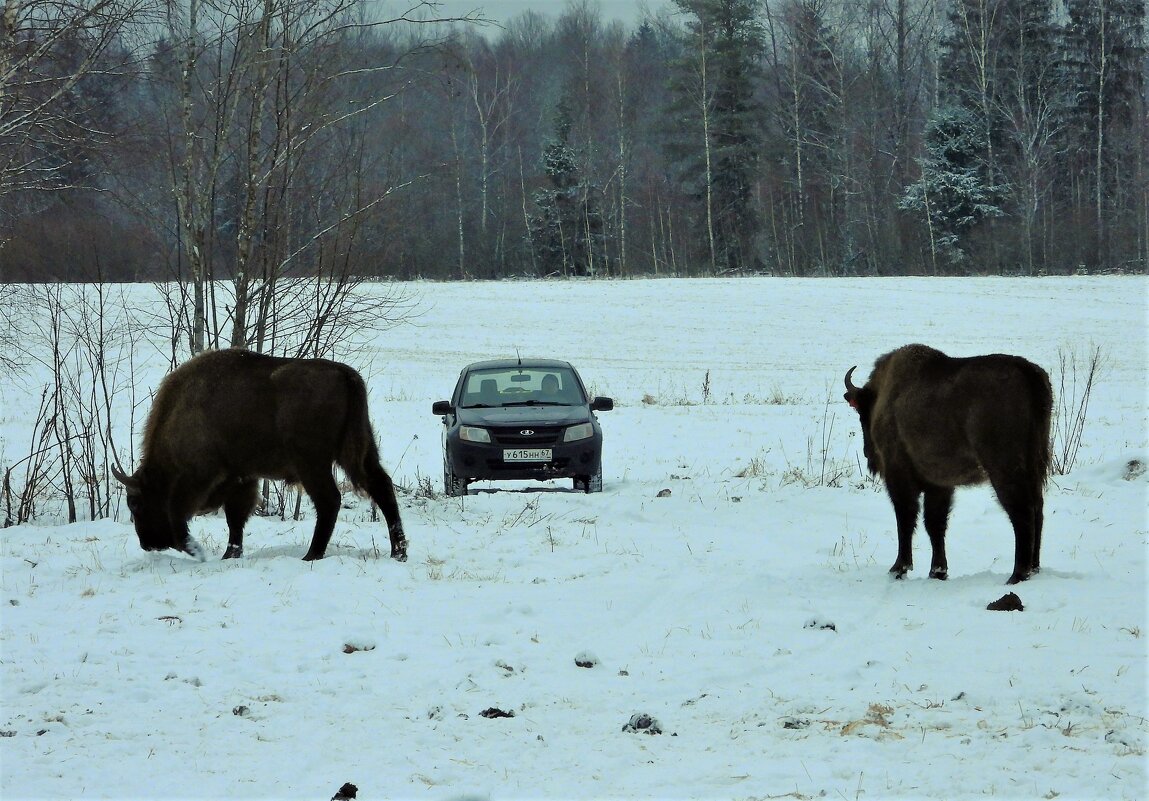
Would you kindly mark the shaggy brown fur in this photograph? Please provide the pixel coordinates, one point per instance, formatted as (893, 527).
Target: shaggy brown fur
(931, 423)
(225, 419)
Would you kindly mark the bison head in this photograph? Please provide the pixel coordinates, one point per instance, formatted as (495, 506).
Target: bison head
(154, 525)
(861, 399)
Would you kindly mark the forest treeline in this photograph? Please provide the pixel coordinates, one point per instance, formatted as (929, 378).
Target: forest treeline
(203, 140)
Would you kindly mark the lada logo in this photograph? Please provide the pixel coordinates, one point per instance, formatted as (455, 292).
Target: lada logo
(526, 432)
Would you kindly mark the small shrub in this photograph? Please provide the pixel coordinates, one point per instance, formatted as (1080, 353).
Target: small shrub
(779, 398)
(755, 468)
(1074, 380)
(424, 488)
(821, 469)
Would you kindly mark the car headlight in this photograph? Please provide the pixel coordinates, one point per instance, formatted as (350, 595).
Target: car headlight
(581, 431)
(472, 434)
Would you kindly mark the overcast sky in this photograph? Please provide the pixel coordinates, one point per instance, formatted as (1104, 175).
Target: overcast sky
(628, 11)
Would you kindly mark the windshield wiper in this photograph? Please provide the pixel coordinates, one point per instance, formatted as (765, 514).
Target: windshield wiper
(536, 403)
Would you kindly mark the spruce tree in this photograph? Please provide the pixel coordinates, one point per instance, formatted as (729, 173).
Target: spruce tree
(568, 232)
(717, 125)
(952, 195)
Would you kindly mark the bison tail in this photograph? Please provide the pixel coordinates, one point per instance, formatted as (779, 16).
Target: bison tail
(358, 451)
(1043, 425)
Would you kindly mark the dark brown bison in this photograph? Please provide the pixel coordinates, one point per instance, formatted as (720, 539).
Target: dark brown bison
(931, 423)
(225, 419)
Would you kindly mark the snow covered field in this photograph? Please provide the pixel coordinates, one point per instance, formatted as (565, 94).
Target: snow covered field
(749, 612)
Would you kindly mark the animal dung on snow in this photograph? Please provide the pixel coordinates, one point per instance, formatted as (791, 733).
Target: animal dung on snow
(1007, 603)
(585, 659)
(642, 723)
(345, 793)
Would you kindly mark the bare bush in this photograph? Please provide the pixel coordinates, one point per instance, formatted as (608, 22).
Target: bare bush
(26, 481)
(86, 345)
(821, 468)
(1075, 377)
(13, 308)
(323, 316)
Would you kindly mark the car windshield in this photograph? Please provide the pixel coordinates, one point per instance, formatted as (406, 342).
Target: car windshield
(522, 386)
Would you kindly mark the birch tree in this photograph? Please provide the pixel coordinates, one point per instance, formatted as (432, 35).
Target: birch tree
(720, 124)
(1105, 55)
(266, 92)
(53, 55)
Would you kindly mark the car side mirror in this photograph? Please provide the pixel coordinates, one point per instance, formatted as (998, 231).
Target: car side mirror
(601, 404)
(442, 407)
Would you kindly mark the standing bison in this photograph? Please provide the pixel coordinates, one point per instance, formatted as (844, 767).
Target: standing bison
(225, 419)
(931, 423)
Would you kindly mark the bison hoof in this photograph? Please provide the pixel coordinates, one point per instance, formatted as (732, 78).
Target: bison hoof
(939, 573)
(399, 548)
(311, 557)
(233, 552)
(899, 572)
(1021, 575)
(193, 549)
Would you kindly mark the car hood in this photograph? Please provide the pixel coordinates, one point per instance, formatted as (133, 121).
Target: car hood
(524, 415)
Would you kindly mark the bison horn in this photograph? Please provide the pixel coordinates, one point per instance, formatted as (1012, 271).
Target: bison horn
(850, 384)
(130, 482)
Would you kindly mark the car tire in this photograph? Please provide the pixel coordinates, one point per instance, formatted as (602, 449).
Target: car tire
(453, 486)
(589, 484)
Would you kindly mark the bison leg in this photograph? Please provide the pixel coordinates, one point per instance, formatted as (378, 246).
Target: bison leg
(905, 500)
(1025, 514)
(1023, 504)
(320, 486)
(936, 513)
(379, 486)
(193, 549)
(238, 505)
(188, 544)
(1038, 525)
(180, 508)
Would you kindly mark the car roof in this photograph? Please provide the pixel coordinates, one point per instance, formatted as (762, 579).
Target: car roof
(490, 364)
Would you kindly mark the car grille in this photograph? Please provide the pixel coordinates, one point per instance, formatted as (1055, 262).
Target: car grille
(540, 436)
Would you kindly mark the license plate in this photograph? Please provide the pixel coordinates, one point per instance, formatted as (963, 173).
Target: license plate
(527, 455)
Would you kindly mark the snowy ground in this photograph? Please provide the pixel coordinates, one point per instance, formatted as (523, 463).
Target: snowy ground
(749, 613)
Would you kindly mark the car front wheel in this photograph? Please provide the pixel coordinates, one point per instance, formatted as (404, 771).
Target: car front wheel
(453, 486)
(589, 484)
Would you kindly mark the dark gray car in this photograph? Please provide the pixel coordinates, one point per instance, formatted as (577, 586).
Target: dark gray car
(521, 419)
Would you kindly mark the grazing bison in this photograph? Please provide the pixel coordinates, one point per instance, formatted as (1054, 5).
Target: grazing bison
(931, 423)
(225, 419)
